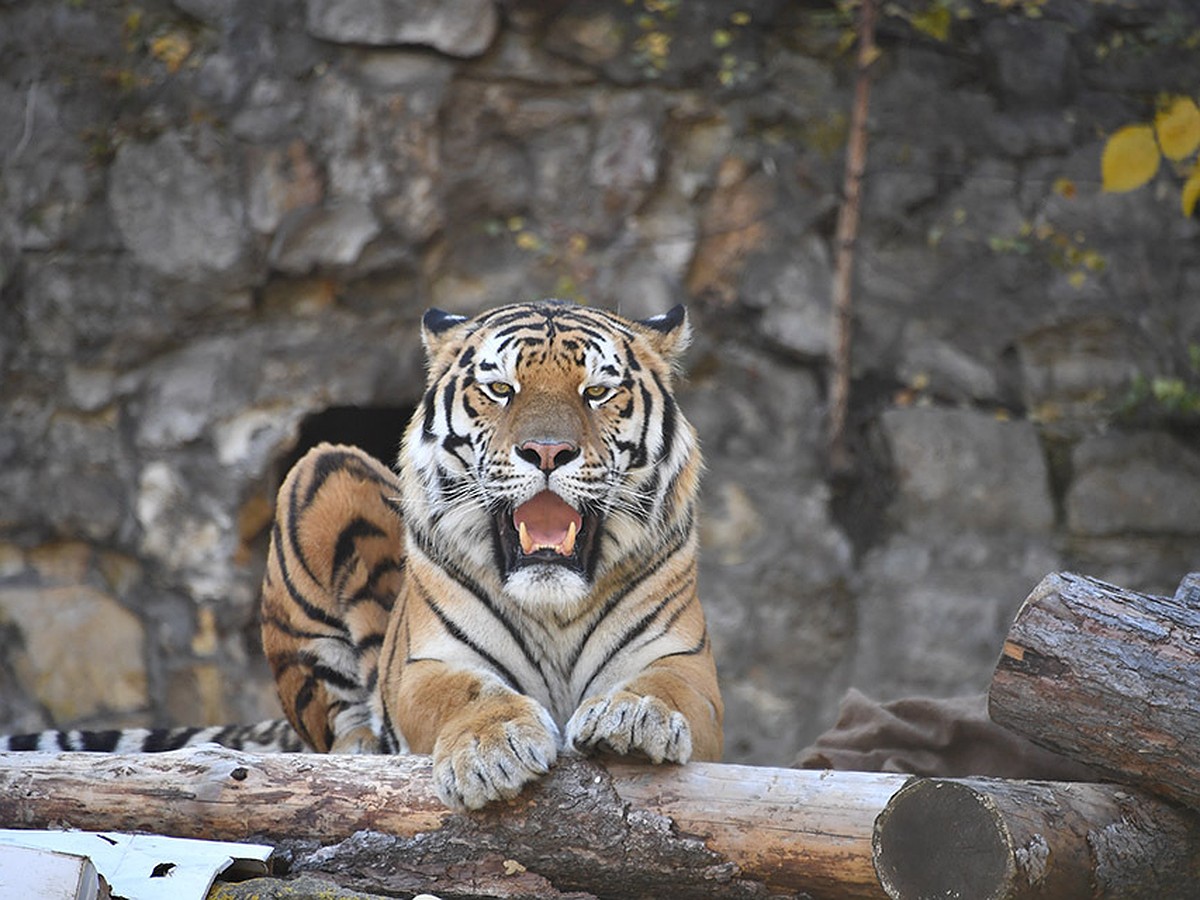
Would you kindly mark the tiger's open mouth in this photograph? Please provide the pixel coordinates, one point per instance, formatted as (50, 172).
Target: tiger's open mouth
(546, 529)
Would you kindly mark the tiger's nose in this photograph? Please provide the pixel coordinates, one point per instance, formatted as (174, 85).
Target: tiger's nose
(547, 455)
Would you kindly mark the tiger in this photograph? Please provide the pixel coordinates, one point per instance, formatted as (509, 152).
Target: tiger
(524, 583)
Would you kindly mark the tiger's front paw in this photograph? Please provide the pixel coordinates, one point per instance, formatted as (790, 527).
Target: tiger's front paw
(623, 722)
(479, 760)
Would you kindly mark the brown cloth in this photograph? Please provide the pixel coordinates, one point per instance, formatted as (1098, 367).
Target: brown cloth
(935, 738)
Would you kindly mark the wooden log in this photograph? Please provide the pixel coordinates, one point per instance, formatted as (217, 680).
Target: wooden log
(618, 830)
(1109, 677)
(989, 839)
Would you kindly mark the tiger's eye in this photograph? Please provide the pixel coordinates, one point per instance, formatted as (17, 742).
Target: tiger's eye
(595, 392)
(500, 388)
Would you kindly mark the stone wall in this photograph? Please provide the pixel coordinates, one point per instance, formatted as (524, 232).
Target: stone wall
(220, 223)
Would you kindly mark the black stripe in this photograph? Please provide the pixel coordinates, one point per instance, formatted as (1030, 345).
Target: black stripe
(690, 651)
(448, 392)
(312, 611)
(100, 741)
(631, 358)
(371, 641)
(429, 404)
(24, 742)
(639, 457)
(346, 545)
(300, 703)
(339, 679)
(669, 416)
(476, 590)
(390, 744)
(369, 592)
(286, 627)
(638, 628)
(642, 575)
(327, 464)
(163, 739)
(462, 637)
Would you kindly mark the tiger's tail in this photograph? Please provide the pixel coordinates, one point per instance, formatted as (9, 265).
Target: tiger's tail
(272, 736)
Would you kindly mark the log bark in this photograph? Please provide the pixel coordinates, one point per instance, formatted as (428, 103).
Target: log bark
(989, 839)
(618, 830)
(1108, 677)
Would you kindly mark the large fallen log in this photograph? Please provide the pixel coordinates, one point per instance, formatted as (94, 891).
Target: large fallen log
(616, 830)
(994, 839)
(1108, 677)
(620, 830)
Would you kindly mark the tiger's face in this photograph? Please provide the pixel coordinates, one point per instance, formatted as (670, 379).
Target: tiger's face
(548, 446)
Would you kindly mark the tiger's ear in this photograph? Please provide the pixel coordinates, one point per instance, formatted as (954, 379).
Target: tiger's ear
(669, 333)
(437, 329)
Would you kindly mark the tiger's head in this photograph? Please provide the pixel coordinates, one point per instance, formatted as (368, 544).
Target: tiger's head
(548, 448)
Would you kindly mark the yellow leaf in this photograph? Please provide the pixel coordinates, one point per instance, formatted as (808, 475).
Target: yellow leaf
(1130, 158)
(1191, 192)
(172, 49)
(934, 22)
(1065, 187)
(1178, 128)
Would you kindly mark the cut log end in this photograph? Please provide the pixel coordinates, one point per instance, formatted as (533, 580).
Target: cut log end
(942, 839)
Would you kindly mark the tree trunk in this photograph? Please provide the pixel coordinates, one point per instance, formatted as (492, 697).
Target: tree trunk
(845, 240)
(989, 839)
(625, 830)
(1108, 677)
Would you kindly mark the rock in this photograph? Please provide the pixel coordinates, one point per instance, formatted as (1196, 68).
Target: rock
(593, 37)
(1031, 62)
(322, 237)
(734, 225)
(210, 11)
(1028, 134)
(423, 78)
(83, 489)
(90, 389)
(173, 211)
(964, 468)
(1077, 371)
(1139, 484)
(281, 180)
(250, 440)
(795, 295)
(81, 652)
(766, 531)
(943, 368)
(191, 538)
(625, 162)
(204, 263)
(381, 148)
(933, 611)
(268, 112)
(183, 393)
(456, 27)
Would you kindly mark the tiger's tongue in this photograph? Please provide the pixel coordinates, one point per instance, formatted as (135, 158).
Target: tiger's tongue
(547, 521)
